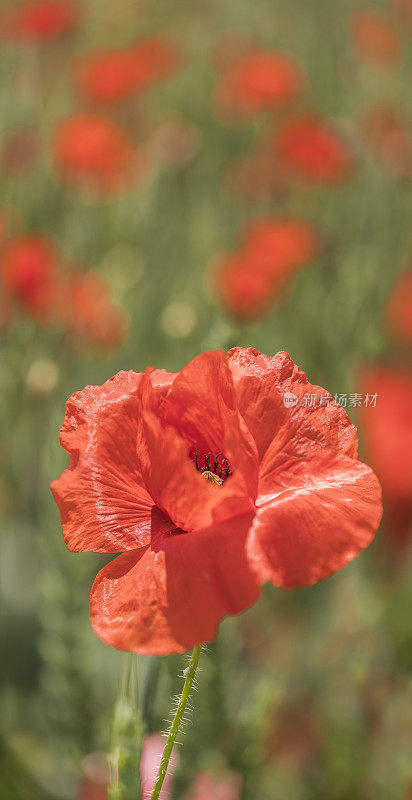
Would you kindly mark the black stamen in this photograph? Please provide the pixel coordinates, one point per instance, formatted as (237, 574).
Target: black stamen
(221, 470)
(226, 469)
(216, 464)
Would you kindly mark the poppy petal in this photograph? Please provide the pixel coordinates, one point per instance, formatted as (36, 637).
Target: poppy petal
(201, 401)
(170, 476)
(102, 499)
(272, 397)
(314, 528)
(202, 406)
(171, 595)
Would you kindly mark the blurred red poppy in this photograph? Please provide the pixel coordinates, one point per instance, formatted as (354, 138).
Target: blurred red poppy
(309, 147)
(245, 291)
(209, 484)
(399, 311)
(211, 786)
(390, 136)
(89, 314)
(271, 250)
(41, 20)
(387, 433)
(260, 81)
(277, 244)
(29, 271)
(95, 152)
(375, 38)
(112, 76)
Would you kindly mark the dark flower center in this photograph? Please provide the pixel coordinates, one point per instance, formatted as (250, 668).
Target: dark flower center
(215, 469)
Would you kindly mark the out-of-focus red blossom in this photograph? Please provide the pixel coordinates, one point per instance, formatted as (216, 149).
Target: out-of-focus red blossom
(89, 314)
(399, 311)
(29, 272)
(107, 77)
(271, 250)
(112, 76)
(280, 243)
(390, 135)
(40, 20)
(387, 435)
(19, 151)
(375, 38)
(94, 151)
(308, 147)
(244, 291)
(279, 494)
(260, 81)
(209, 786)
(152, 750)
(95, 778)
(80, 303)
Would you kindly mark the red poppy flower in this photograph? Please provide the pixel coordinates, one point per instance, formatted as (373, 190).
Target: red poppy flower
(280, 244)
(309, 147)
(271, 250)
(387, 431)
(399, 314)
(260, 81)
(41, 19)
(375, 38)
(390, 135)
(89, 313)
(278, 493)
(112, 76)
(245, 291)
(94, 151)
(29, 269)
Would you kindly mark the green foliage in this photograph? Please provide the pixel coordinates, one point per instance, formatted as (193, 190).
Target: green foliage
(127, 737)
